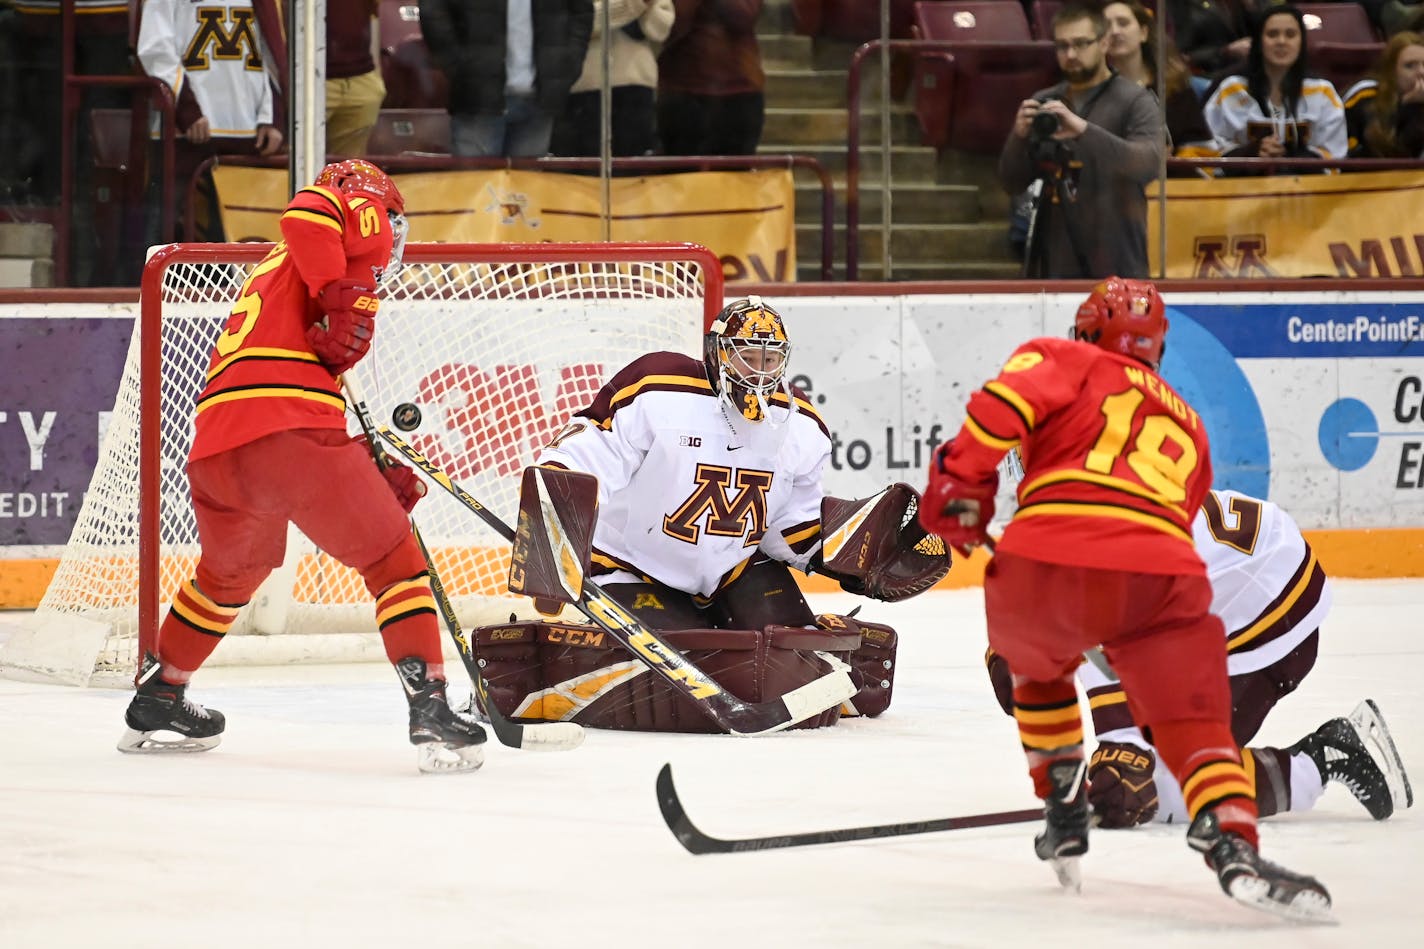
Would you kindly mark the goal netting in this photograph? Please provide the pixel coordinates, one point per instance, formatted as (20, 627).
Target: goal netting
(497, 345)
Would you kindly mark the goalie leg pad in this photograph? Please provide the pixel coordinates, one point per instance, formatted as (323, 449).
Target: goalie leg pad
(570, 672)
(872, 663)
(554, 538)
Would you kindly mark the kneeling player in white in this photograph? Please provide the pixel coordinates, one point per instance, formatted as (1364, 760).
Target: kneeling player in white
(709, 489)
(1271, 595)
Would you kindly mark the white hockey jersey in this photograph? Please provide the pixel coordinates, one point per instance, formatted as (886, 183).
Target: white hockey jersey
(215, 49)
(1267, 587)
(689, 491)
(1316, 123)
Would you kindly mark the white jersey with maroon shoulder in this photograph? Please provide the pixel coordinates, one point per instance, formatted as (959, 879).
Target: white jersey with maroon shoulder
(216, 49)
(689, 490)
(1266, 583)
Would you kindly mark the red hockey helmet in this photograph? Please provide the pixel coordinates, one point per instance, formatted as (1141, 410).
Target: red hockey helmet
(1125, 317)
(356, 176)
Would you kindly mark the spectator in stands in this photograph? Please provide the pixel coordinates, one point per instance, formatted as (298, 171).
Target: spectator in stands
(354, 88)
(1132, 51)
(214, 59)
(1275, 109)
(510, 64)
(1385, 113)
(1093, 142)
(633, 66)
(711, 88)
(1214, 35)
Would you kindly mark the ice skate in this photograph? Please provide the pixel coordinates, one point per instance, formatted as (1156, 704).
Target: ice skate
(448, 741)
(1064, 838)
(1250, 879)
(1359, 753)
(161, 718)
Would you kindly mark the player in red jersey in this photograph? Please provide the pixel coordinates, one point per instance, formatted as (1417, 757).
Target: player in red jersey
(1100, 552)
(270, 447)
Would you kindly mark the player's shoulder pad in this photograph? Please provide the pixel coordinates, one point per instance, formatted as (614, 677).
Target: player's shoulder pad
(317, 205)
(651, 372)
(801, 404)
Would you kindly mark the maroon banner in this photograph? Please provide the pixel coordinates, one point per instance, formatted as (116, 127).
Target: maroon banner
(58, 384)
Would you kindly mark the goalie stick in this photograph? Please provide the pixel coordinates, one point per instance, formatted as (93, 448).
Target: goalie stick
(547, 736)
(731, 714)
(697, 842)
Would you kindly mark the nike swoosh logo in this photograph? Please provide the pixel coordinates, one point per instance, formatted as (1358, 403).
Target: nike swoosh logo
(733, 447)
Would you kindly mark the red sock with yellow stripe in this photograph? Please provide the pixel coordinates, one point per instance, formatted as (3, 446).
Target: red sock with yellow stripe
(1207, 764)
(1050, 726)
(405, 614)
(191, 631)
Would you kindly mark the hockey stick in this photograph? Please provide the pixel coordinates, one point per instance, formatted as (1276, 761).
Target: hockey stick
(546, 736)
(731, 714)
(698, 842)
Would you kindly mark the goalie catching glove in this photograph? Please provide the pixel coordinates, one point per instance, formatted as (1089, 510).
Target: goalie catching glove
(1121, 788)
(343, 335)
(875, 547)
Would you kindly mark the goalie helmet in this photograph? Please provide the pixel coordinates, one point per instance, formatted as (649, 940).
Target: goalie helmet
(745, 353)
(1125, 317)
(356, 177)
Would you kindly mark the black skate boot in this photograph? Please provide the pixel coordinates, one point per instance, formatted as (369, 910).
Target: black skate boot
(1064, 838)
(1248, 878)
(447, 740)
(1359, 753)
(159, 706)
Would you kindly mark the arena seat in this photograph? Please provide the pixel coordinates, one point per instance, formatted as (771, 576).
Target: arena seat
(1040, 17)
(400, 21)
(966, 98)
(1342, 44)
(410, 131)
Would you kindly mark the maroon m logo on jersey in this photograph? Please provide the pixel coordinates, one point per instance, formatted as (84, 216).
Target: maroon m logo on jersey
(212, 30)
(726, 517)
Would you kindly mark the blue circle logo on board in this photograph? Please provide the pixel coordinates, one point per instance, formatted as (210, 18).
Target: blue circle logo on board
(1205, 373)
(1349, 434)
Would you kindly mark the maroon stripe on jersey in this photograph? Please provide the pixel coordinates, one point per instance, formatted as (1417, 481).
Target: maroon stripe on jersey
(807, 542)
(653, 372)
(1295, 613)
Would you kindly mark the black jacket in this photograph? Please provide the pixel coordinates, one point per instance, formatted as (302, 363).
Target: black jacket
(466, 39)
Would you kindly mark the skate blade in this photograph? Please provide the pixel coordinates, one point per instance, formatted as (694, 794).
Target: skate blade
(1306, 906)
(134, 742)
(439, 757)
(1069, 872)
(1369, 724)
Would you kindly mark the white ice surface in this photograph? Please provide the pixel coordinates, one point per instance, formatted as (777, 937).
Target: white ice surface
(310, 826)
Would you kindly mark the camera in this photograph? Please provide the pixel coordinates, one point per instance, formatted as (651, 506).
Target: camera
(1043, 125)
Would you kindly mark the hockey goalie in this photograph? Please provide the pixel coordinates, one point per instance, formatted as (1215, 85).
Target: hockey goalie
(689, 490)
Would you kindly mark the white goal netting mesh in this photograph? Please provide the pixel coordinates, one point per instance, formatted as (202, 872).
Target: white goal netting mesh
(496, 349)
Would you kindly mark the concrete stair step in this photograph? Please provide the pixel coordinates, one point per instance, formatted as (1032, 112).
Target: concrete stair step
(784, 51)
(816, 88)
(908, 164)
(26, 240)
(909, 203)
(810, 126)
(913, 242)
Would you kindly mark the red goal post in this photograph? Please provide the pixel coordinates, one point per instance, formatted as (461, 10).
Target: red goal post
(497, 344)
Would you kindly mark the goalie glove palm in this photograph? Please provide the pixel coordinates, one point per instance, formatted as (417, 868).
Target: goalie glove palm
(956, 509)
(344, 334)
(1121, 788)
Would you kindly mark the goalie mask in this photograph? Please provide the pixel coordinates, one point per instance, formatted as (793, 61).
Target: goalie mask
(745, 353)
(357, 178)
(1125, 317)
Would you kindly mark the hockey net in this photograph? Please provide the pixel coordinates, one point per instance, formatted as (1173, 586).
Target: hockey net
(497, 345)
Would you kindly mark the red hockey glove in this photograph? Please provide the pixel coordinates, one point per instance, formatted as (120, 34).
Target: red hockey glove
(956, 510)
(405, 484)
(1121, 788)
(344, 334)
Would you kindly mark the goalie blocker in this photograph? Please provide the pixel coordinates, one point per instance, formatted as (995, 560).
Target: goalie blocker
(538, 671)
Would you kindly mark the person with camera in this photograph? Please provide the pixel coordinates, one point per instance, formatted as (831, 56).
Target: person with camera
(1089, 145)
